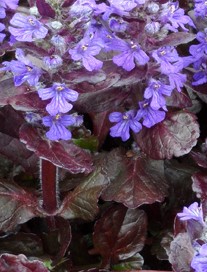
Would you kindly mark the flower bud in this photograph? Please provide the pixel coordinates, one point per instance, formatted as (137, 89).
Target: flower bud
(152, 28)
(53, 62)
(153, 7)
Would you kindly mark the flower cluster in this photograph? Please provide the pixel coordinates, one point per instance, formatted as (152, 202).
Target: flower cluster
(104, 32)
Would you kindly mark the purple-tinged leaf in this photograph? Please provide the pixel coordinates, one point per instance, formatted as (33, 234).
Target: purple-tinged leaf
(177, 38)
(181, 253)
(199, 158)
(101, 100)
(10, 120)
(62, 154)
(119, 234)
(17, 205)
(199, 186)
(68, 3)
(28, 244)
(179, 100)
(175, 136)
(140, 181)
(45, 9)
(20, 263)
(22, 98)
(101, 125)
(82, 201)
(16, 151)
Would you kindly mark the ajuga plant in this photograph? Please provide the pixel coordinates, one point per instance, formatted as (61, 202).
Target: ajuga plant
(103, 135)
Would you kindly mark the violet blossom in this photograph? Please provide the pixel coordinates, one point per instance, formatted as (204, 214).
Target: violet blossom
(58, 126)
(60, 95)
(194, 212)
(198, 50)
(85, 51)
(156, 91)
(131, 53)
(200, 8)
(199, 261)
(2, 35)
(12, 4)
(22, 69)
(27, 28)
(125, 122)
(150, 116)
(53, 61)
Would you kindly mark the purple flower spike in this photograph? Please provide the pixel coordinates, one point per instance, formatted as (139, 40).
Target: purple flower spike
(155, 91)
(27, 28)
(130, 53)
(60, 95)
(199, 261)
(150, 116)
(192, 212)
(58, 124)
(22, 69)
(85, 50)
(125, 122)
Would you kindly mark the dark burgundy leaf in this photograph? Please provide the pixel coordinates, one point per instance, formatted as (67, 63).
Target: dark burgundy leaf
(175, 136)
(180, 100)
(101, 100)
(10, 120)
(181, 253)
(82, 201)
(20, 264)
(64, 229)
(45, 9)
(199, 158)
(16, 151)
(17, 205)
(101, 125)
(177, 38)
(63, 154)
(28, 244)
(140, 181)
(68, 3)
(20, 98)
(119, 234)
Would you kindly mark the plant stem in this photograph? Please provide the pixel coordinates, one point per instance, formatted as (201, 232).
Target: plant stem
(48, 177)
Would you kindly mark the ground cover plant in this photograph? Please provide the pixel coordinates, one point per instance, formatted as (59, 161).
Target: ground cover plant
(103, 150)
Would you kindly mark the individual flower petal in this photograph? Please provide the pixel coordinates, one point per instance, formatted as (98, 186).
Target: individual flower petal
(199, 261)
(194, 212)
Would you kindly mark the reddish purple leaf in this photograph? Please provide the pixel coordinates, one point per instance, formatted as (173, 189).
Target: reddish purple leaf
(181, 253)
(20, 263)
(17, 205)
(199, 158)
(16, 151)
(82, 201)
(140, 181)
(177, 38)
(175, 136)
(200, 188)
(119, 234)
(63, 154)
(45, 9)
(20, 98)
(180, 100)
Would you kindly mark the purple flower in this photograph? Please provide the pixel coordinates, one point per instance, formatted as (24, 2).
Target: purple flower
(149, 115)
(123, 5)
(27, 28)
(199, 261)
(175, 16)
(117, 24)
(130, 53)
(12, 4)
(200, 78)
(53, 62)
(87, 7)
(2, 13)
(60, 95)
(155, 92)
(165, 56)
(2, 35)
(125, 122)
(58, 124)
(199, 49)
(200, 8)
(192, 212)
(22, 69)
(85, 50)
